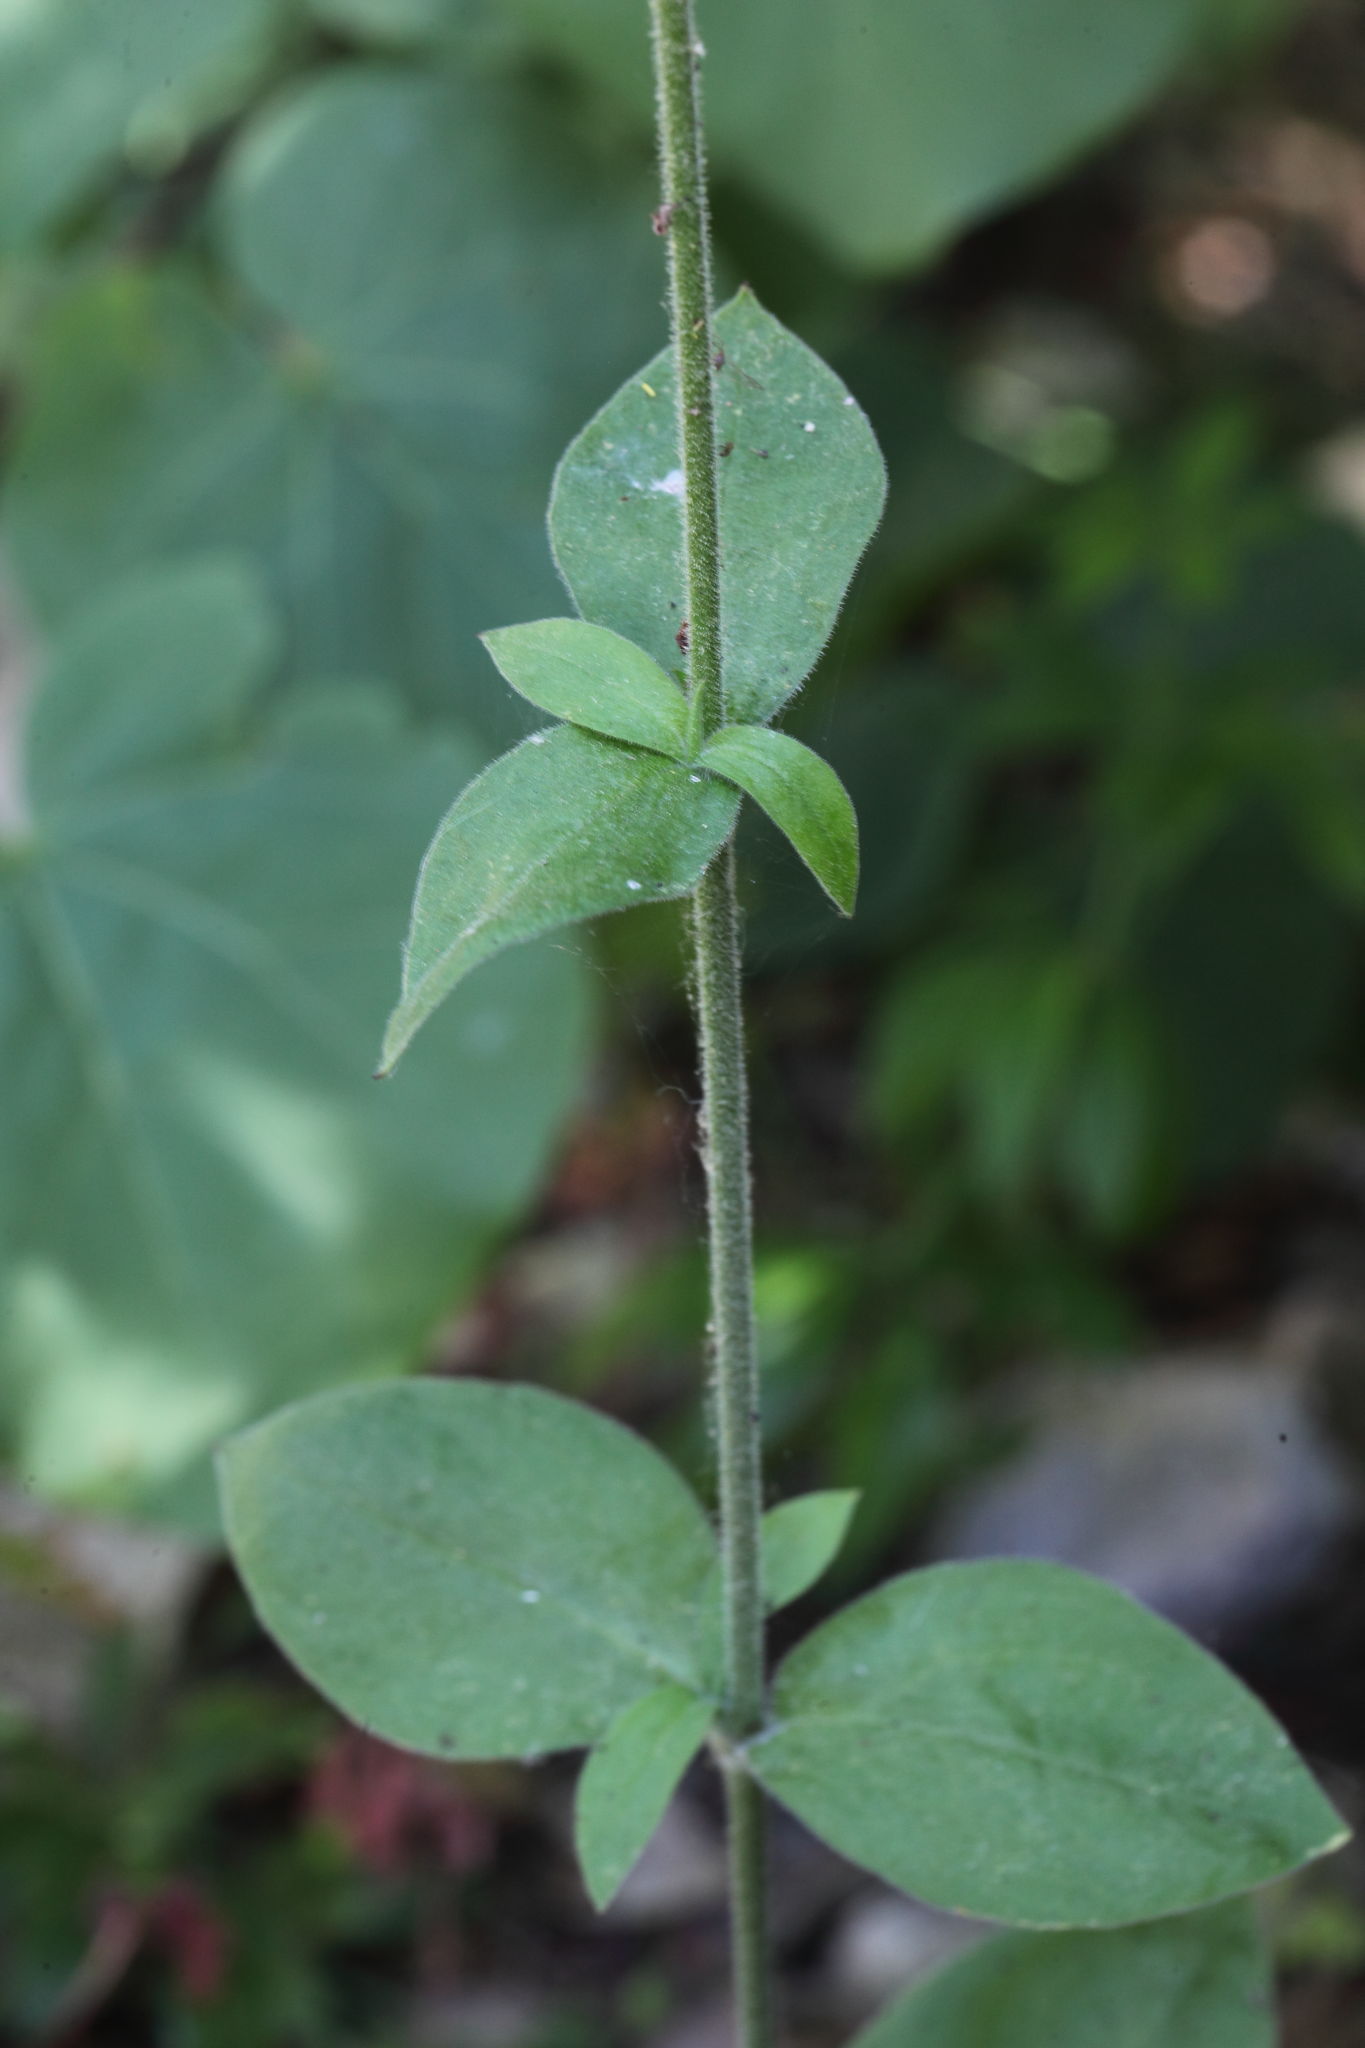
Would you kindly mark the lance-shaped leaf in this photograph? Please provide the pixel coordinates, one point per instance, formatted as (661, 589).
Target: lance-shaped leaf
(566, 826)
(593, 678)
(801, 794)
(801, 491)
(801, 1539)
(1200, 1980)
(628, 1780)
(1025, 1743)
(470, 1569)
(206, 1207)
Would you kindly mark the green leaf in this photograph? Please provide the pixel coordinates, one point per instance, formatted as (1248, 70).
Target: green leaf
(565, 827)
(593, 678)
(801, 794)
(467, 1569)
(1022, 1742)
(801, 491)
(628, 1780)
(205, 1204)
(884, 128)
(414, 346)
(85, 86)
(801, 1539)
(1200, 1980)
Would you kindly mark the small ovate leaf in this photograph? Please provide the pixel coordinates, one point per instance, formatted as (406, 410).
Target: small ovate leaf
(565, 827)
(593, 678)
(802, 485)
(1199, 1980)
(801, 1539)
(628, 1780)
(468, 1569)
(801, 794)
(1024, 1743)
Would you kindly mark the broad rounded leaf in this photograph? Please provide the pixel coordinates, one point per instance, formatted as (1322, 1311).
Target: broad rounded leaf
(801, 1539)
(565, 827)
(84, 84)
(1199, 1980)
(801, 491)
(417, 341)
(1024, 1743)
(627, 1782)
(801, 794)
(593, 678)
(887, 127)
(206, 1206)
(468, 1569)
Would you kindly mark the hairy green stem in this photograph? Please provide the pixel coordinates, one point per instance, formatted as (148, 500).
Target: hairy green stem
(683, 219)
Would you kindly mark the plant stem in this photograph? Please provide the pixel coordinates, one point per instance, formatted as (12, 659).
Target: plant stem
(684, 219)
(720, 1022)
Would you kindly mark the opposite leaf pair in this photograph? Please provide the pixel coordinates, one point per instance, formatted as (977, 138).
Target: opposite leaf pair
(595, 679)
(474, 1570)
(631, 800)
(625, 804)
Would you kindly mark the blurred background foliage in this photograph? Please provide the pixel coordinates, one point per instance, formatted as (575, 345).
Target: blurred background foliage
(298, 306)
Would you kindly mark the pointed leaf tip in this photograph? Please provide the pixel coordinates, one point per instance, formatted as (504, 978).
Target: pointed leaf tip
(626, 1784)
(565, 827)
(801, 1539)
(1025, 1743)
(801, 794)
(800, 496)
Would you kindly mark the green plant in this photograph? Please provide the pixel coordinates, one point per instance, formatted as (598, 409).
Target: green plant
(479, 1570)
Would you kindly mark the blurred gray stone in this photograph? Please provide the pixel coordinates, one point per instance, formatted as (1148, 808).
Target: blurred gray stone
(682, 1872)
(1203, 1486)
(67, 1581)
(883, 1943)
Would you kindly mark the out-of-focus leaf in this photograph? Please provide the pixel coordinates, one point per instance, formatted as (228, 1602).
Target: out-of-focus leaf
(987, 1033)
(957, 106)
(801, 794)
(801, 490)
(628, 1780)
(1110, 1116)
(1027, 1744)
(1200, 1979)
(1245, 960)
(468, 1569)
(85, 84)
(566, 827)
(595, 679)
(429, 248)
(205, 1205)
